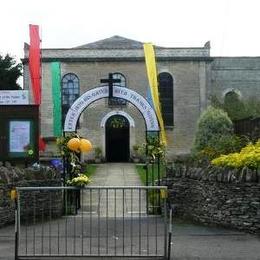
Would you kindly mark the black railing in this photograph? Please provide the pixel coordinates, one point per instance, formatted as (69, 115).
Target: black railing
(111, 221)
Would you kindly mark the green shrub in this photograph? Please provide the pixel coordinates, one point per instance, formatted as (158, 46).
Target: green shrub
(221, 145)
(212, 125)
(252, 105)
(249, 157)
(215, 135)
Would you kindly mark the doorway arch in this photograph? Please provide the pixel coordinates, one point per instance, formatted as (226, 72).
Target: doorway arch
(117, 139)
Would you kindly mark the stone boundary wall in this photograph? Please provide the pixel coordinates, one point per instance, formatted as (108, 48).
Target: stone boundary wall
(28, 200)
(229, 198)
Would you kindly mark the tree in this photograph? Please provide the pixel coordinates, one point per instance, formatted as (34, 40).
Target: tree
(9, 73)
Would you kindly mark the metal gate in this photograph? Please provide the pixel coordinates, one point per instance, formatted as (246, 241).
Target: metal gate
(93, 221)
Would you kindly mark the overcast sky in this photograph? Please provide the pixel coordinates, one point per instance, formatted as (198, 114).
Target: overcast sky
(232, 26)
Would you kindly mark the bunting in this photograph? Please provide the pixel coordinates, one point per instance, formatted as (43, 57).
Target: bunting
(42, 144)
(152, 79)
(56, 98)
(35, 63)
(35, 70)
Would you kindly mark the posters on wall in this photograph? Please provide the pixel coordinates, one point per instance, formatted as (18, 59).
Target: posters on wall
(19, 136)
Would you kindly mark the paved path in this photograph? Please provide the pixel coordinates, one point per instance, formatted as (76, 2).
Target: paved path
(119, 203)
(116, 174)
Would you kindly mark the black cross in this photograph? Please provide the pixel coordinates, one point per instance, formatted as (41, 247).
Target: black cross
(110, 82)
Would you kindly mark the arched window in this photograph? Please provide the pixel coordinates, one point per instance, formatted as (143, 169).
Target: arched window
(166, 97)
(118, 101)
(70, 92)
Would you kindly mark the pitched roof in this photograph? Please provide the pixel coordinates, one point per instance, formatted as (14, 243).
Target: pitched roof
(114, 42)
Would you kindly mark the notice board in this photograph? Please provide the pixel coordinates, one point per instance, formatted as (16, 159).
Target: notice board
(19, 133)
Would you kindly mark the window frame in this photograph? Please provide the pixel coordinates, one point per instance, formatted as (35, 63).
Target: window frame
(73, 93)
(118, 102)
(166, 95)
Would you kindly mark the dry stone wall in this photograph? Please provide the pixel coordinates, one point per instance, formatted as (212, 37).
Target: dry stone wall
(229, 198)
(14, 177)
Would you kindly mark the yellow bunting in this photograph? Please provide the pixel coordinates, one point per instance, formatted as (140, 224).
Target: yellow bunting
(152, 78)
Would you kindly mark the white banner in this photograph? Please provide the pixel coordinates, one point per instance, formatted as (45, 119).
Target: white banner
(102, 92)
(14, 97)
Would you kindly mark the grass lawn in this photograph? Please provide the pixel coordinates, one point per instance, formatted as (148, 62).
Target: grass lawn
(152, 172)
(90, 169)
(154, 196)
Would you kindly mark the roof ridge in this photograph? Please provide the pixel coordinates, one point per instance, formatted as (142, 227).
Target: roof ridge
(114, 42)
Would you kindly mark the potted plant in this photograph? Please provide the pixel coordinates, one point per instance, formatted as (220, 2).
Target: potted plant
(98, 154)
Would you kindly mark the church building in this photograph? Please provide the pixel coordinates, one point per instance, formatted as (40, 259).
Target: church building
(187, 78)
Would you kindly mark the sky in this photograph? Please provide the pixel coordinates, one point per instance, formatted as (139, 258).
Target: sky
(232, 26)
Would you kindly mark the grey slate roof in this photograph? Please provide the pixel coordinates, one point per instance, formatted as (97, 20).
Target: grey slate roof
(118, 48)
(114, 42)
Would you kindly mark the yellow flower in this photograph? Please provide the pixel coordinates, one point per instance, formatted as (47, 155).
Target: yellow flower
(81, 180)
(249, 156)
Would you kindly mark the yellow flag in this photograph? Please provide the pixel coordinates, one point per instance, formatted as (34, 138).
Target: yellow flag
(152, 78)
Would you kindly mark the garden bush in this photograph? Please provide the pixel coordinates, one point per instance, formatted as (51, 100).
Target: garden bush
(215, 135)
(249, 156)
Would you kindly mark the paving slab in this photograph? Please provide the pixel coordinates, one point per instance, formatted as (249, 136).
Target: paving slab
(121, 203)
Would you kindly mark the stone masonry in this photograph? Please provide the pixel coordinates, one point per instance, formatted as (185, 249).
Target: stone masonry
(11, 177)
(196, 77)
(229, 198)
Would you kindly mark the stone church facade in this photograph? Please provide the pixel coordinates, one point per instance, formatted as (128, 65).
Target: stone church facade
(188, 77)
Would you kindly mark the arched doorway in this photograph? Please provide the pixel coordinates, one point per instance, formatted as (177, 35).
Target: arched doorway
(117, 139)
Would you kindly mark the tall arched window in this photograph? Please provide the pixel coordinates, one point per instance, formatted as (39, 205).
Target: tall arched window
(166, 97)
(70, 92)
(118, 101)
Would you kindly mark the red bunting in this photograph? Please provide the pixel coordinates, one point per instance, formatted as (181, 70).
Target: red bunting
(35, 63)
(42, 144)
